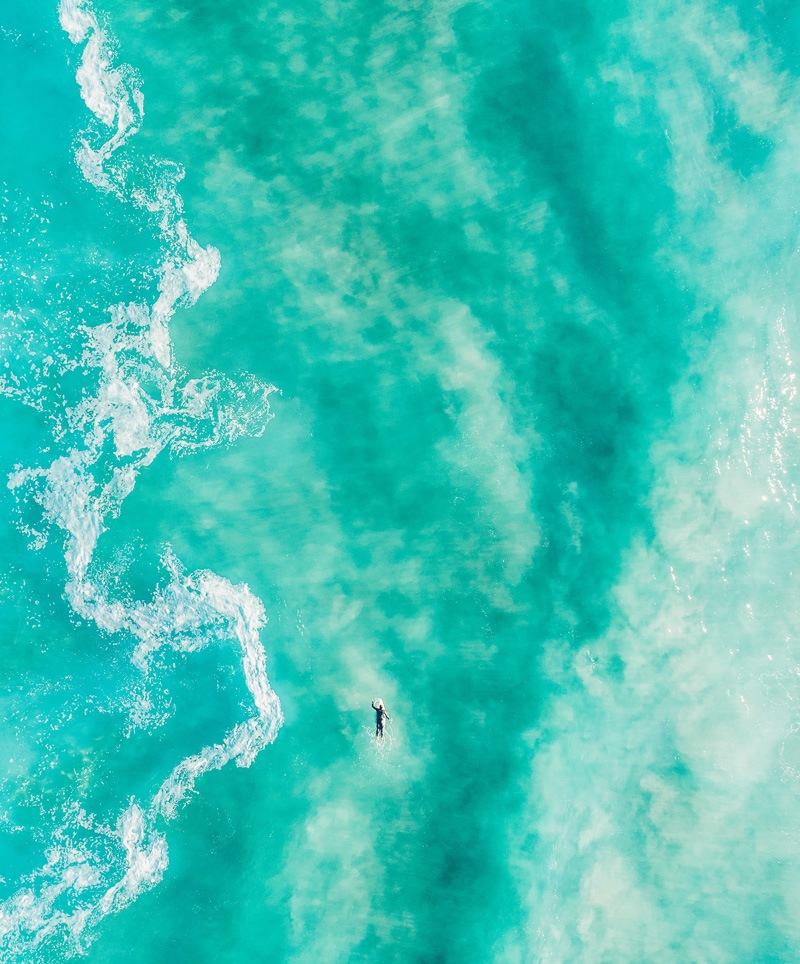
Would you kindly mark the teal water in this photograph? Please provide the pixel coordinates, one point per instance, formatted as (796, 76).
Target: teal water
(440, 352)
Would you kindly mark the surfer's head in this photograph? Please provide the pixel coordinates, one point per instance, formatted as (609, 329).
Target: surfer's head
(379, 702)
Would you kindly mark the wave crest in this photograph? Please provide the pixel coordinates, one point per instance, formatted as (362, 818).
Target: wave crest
(138, 404)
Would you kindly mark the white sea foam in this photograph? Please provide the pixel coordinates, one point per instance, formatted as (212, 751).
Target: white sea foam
(77, 19)
(141, 404)
(75, 869)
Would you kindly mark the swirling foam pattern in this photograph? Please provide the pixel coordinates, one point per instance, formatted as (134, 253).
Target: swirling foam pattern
(133, 403)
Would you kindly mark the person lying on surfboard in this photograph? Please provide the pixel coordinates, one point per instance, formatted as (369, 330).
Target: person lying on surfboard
(380, 717)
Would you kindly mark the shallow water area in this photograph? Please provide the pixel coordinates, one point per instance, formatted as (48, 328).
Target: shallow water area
(439, 352)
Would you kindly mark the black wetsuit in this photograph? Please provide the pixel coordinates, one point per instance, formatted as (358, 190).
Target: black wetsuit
(380, 716)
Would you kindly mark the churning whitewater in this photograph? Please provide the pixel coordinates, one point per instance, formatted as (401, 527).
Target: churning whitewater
(133, 404)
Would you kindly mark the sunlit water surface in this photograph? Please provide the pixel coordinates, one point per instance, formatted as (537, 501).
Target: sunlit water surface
(441, 351)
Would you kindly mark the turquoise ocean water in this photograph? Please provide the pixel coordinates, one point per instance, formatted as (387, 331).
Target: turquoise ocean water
(443, 352)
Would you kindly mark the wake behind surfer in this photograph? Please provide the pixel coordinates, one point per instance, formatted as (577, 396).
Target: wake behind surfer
(381, 716)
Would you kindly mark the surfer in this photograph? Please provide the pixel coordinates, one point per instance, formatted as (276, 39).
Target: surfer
(380, 717)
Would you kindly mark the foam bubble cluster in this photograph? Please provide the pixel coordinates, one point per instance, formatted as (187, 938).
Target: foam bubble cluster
(133, 404)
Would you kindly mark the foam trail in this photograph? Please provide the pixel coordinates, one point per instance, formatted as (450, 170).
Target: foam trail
(139, 405)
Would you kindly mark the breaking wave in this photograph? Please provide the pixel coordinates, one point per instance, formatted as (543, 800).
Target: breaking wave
(133, 404)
